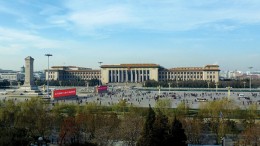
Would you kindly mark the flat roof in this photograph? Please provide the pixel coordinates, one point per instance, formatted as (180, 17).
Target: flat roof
(205, 68)
(82, 70)
(149, 65)
(187, 69)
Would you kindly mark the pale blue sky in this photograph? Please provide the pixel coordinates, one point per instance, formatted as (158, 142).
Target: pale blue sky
(172, 33)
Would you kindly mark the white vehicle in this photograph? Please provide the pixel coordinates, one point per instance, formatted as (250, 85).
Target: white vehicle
(201, 99)
(241, 95)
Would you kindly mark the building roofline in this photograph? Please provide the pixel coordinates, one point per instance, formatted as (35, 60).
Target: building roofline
(133, 65)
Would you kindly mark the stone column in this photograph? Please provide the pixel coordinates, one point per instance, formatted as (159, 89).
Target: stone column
(131, 76)
(142, 75)
(29, 72)
(126, 72)
(118, 75)
(136, 80)
(122, 76)
(115, 76)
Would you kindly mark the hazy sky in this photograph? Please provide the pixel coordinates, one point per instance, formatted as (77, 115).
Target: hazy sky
(172, 33)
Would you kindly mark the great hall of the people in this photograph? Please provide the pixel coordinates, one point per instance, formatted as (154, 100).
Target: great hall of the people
(134, 73)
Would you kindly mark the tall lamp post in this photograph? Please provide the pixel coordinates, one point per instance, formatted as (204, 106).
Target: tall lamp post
(48, 55)
(169, 86)
(99, 83)
(208, 83)
(216, 86)
(244, 85)
(229, 88)
(250, 80)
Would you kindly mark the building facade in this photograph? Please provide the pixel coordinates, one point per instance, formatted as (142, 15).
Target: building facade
(206, 73)
(129, 73)
(142, 72)
(12, 76)
(63, 73)
(134, 73)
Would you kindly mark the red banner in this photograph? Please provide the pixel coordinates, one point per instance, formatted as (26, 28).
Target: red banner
(64, 93)
(102, 89)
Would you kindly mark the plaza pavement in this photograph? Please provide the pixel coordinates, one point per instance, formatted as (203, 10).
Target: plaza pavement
(143, 98)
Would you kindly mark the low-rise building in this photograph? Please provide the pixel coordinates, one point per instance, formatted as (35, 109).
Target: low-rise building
(129, 72)
(143, 72)
(206, 73)
(134, 73)
(12, 76)
(62, 73)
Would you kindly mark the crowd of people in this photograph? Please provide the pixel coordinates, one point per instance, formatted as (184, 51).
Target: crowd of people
(143, 98)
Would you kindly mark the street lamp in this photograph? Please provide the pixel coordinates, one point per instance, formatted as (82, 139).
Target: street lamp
(169, 86)
(48, 55)
(229, 88)
(159, 88)
(250, 77)
(208, 83)
(99, 83)
(216, 86)
(244, 85)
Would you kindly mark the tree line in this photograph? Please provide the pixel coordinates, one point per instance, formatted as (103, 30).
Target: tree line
(245, 83)
(203, 84)
(92, 82)
(22, 123)
(4, 83)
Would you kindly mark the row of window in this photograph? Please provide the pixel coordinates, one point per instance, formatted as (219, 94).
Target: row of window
(75, 77)
(181, 73)
(82, 73)
(133, 71)
(85, 77)
(78, 73)
(172, 77)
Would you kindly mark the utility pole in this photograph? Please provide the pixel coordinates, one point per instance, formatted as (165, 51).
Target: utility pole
(48, 55)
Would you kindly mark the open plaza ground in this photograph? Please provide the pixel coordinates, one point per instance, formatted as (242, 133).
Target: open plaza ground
(143, 97)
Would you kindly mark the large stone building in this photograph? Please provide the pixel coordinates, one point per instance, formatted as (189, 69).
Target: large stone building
(62, 73)
(208, 72)
(11, 75)
(134, 73)
(143, 72)
(129, 72)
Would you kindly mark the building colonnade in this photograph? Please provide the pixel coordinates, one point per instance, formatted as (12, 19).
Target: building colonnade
(126, 75)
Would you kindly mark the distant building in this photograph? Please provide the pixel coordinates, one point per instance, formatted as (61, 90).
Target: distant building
(63, 73)
(206, 73)
(11, 75)
(234, 74)
(134, 73)
(143, 72)
(22, 69)
(129, 72)
(39, 75)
